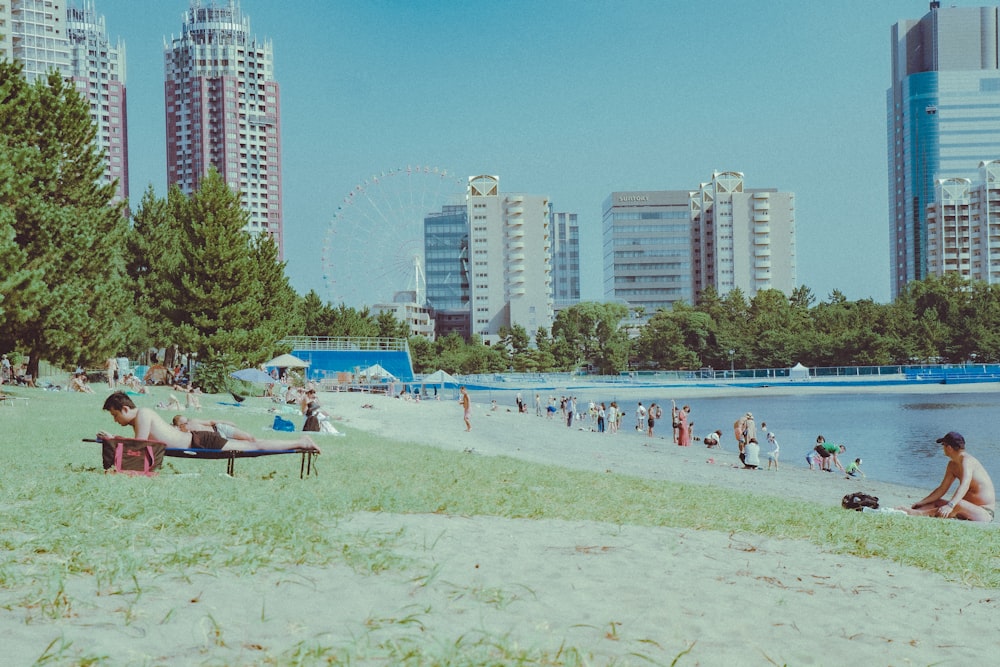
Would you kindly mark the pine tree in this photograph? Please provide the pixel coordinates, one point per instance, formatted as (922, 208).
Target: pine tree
(65, 224)
(205, 285)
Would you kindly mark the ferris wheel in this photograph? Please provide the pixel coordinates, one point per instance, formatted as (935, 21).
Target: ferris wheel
(374, 247)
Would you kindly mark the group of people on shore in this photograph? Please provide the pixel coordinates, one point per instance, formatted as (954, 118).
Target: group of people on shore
(745, 432)
(974, 498)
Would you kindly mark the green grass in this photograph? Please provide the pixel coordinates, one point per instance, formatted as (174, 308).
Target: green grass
(62, 518)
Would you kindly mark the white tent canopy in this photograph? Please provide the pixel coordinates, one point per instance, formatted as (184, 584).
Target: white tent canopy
(376, 371)
(439, 377)
(798, 372)
(287, 361)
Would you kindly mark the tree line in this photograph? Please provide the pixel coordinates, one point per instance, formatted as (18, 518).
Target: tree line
(82, 279)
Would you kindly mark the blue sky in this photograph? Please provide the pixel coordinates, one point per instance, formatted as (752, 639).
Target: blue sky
(573, 100)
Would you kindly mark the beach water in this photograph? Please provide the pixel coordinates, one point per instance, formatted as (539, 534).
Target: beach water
(894, 434)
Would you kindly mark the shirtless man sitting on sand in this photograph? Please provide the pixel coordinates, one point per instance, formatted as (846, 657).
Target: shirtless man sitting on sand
(149, 425)
(974, 500)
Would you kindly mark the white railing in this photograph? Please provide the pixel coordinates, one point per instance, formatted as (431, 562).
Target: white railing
(345, 343)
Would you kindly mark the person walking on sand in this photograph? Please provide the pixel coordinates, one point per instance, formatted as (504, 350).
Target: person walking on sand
(973, 500)
(813, 459)
(640, 418)
(466, 403)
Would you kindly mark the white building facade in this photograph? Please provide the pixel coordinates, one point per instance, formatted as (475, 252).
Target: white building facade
(223, 110)
(406, 308)
(510, 279)
(47, 35)
(665, 246)
(743, 238)
(963, 226)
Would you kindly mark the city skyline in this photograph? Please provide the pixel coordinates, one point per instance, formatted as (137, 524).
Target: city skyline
(568, 100)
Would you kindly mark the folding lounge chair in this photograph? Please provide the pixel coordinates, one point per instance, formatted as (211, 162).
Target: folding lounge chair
(306, 468)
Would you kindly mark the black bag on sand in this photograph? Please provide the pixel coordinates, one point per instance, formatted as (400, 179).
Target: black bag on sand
(858, 501)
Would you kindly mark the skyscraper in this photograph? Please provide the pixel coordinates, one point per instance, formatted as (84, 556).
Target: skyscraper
(98, 70)
(510, 248)
(648, 249)
(743, 237)
(223, 110)
(446, 268)
(963, 226)
(943, 120)
(45, 35)
(669, 245)
(488, 262)
(565, 259)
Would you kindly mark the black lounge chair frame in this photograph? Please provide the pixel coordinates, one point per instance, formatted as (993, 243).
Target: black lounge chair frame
(307, 467)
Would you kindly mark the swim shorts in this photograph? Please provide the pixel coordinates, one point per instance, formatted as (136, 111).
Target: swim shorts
(207, 440)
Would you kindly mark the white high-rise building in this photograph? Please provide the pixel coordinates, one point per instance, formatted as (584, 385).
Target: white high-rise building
(46, 35)
(6, 38)
(743, 238)
(510, 271)
(665, 246)
(38, 37)
(98, 70)
(963, 226)
(223, 110)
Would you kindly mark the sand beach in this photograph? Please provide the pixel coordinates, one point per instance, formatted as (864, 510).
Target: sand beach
(488, 590)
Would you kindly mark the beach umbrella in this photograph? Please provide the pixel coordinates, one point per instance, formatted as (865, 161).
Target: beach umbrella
(287, 361)
(253, 375)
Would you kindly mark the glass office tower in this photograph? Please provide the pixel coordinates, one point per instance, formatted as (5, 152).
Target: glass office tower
(943, 111)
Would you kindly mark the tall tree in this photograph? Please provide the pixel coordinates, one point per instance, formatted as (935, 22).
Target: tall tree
(589, 332)
(205, 284)
(70, 232)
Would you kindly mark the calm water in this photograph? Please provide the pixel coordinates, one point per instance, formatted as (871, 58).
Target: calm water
(894, 434)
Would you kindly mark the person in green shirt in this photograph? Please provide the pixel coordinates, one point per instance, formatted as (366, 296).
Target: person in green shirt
(854, 469)
(828, 454)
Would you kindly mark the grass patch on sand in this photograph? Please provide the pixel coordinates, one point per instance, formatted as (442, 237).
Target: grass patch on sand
(66, 517)
(60, 517)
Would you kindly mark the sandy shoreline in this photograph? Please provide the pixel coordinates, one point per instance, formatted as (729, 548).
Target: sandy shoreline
(541, 440)
(475, 590)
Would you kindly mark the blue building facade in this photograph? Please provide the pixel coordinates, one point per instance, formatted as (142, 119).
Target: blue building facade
(943, 119)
